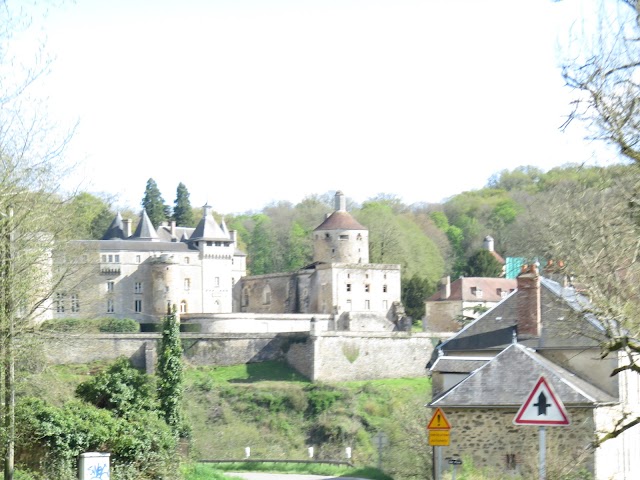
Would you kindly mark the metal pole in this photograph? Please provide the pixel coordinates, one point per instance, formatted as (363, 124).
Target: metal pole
(543, 453)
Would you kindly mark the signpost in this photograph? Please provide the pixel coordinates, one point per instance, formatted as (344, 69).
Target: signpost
(439, 428)
(542, 408)
(381, 440)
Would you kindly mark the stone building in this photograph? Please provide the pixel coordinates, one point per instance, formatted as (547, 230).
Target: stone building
(457, 303)
(482, 375)
(137, 275)
(340, 281)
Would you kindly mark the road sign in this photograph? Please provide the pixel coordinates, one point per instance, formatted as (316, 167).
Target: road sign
(439, 421)
(542, 407)
(439, 438)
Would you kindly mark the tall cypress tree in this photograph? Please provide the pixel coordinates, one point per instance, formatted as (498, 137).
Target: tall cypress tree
(182, 211)
(170, 373)
(153, 203)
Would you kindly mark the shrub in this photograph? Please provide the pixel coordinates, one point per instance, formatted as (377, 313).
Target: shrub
(118, 325)
(322, 398)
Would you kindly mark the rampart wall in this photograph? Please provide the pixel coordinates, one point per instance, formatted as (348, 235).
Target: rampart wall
(335, 356)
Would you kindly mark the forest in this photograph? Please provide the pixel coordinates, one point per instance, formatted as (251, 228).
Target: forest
(530, 214)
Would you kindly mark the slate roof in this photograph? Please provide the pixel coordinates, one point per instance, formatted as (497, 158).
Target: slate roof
(509, 377)
(492, 288)
(138, 246)
(340, 220)
(144, 230)
(446, 364)
(208, 229)
(115, 230)
(565, 323)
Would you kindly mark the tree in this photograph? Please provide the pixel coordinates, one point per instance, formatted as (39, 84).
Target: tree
(153, 203)
(415, 290)
(34, 218)
(92, 216)
(182, 211)
(261, 246)
(170, 373)
(483, 264)
(595, 231)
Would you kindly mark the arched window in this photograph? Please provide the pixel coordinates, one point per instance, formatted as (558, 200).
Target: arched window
(183, 306)
(245, 297)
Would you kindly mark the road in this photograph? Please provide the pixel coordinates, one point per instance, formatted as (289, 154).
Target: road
(277, 476)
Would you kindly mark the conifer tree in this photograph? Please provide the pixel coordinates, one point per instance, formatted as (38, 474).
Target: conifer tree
(170, 373)
(153, 203)
(182, 211)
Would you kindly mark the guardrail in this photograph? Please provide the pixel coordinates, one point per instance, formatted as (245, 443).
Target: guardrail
(328, 462)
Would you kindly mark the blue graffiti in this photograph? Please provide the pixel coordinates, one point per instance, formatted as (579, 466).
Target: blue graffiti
(99, 472)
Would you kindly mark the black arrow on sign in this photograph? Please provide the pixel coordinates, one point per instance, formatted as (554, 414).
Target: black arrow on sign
(542, 404)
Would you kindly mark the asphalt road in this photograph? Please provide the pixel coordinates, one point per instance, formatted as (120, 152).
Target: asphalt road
(276, 476)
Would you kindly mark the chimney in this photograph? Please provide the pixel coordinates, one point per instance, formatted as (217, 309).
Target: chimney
(126, 227)
(529, 313)
(340, 202)
(173, 228)
(445, 288)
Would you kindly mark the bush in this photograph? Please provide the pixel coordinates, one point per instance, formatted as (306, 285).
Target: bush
(118, 325)
(66, 325)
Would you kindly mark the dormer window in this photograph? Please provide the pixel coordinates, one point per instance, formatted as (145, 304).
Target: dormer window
(476, 291)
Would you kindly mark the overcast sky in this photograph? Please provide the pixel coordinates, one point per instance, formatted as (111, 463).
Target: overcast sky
(252, 101)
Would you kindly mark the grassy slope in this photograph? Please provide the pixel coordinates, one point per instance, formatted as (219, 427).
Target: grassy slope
(279, 413)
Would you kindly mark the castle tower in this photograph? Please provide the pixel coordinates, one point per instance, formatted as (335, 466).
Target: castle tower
(340, 238)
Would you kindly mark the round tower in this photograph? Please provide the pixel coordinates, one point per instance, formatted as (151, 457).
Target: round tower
(340, 238)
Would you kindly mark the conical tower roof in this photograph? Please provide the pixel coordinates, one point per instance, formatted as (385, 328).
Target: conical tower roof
(208, 229)
(115, 230)
(145, 230)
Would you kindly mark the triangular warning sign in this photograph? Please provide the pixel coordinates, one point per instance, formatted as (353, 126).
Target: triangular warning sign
(542, 407)
(439, 421)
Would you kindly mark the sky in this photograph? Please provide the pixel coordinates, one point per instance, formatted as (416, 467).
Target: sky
(249, 102)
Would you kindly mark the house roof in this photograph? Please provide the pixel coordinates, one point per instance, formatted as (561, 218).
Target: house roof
(466, 289)
(509, 377)
(565, 323)
(340, 220)
(448, 364)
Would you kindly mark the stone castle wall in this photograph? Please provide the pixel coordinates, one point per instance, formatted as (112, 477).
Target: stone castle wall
(321, 357)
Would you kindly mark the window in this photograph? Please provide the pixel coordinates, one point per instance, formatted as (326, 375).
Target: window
(75, 303)
(116, 258)
(138, 258)
(348, 287)
(385, 305)
(344, 237)
(245, 297)
(367, 287)
(349, 306)
(476, 291)
(187, 284)
(384, 288)
(104, 259)
(110, 286)
(110, 259)
(359, 237)
(367, 305)
(216, 281)
(266, 295)
(60, 302)
(137, 287)
(137, 306)
(186, 260)
(183, 306)
(110, 308)
(511, 461)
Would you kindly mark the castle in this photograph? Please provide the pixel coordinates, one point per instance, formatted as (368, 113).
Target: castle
(202, 271)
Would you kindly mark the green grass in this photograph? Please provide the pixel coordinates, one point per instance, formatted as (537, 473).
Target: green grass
(249, 373)
(308, 469)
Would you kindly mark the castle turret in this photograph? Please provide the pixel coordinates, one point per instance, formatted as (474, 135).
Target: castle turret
(340, 238)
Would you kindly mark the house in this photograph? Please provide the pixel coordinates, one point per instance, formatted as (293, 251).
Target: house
(138, 275)
(483, 374)
(457, 303)
(340, 281)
